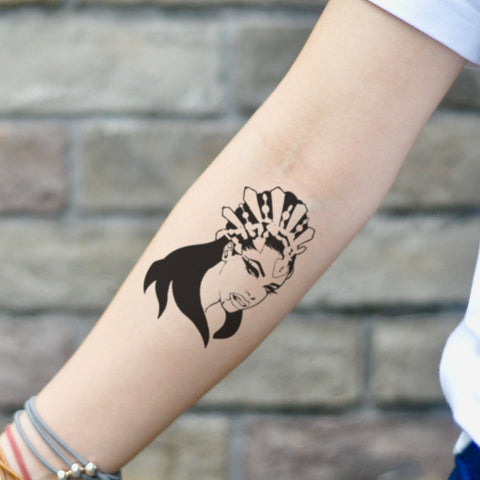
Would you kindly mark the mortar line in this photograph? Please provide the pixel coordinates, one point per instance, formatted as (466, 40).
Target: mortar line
(368, 365)
(237, 450)
(71, 159)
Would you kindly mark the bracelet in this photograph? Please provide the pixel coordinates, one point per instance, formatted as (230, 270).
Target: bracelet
(80, 468)
(17, 453)
(6, 472)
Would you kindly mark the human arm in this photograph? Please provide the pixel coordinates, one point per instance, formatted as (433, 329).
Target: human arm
(334, 132)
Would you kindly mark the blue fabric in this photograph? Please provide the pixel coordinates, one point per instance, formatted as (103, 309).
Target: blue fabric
(467, 464)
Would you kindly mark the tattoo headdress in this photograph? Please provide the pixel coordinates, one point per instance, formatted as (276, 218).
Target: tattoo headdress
(271, 213)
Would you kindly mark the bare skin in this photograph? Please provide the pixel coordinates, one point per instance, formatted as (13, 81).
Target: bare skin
(335, 132)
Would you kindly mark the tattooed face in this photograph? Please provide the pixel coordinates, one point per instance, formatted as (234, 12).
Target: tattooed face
(250, 258)
(246, 279)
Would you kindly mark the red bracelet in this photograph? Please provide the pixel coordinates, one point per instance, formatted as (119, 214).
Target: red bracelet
(17, 453)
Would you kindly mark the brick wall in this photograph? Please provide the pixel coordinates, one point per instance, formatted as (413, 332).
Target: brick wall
(108, 112)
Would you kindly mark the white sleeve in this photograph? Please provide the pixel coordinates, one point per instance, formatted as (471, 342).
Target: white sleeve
(454, 23)
(472, 315)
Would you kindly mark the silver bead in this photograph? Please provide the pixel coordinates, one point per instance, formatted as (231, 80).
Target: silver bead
(76, 470)
(62, 475)
(90, 469)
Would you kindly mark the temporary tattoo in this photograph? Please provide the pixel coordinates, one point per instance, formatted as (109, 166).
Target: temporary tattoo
(250, 258)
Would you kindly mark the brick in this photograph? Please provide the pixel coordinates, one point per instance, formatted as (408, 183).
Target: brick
(202, 3)
(130, 166)
(50, 266)
(465, 92)
(107, 62)
(442, 168)
(406, 355)
(195, 446)
(24, 2)
(304, 362)
(265, 53)
(32, 167)
(421, 260)
(32, 349)
(400, 447)
(4, 419)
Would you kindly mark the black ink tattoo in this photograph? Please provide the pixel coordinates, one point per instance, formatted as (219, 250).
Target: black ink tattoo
(249, 259)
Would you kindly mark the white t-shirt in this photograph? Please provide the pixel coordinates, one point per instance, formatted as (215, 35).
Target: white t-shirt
(472, 315)
(460, 368)
(455, 24)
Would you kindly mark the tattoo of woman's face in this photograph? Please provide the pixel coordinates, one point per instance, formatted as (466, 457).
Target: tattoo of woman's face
(246, 278)
(250, 259)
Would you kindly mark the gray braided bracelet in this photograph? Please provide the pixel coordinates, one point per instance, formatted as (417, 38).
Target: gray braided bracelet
(80, 468)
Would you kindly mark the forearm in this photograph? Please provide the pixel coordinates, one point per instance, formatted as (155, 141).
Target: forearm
(334, 133)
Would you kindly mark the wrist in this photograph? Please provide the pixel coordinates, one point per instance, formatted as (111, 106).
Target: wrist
(18, 455)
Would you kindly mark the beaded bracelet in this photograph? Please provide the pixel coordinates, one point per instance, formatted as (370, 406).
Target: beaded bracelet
(80, 468)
